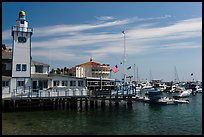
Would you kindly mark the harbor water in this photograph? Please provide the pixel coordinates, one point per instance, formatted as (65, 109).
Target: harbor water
(140, 119)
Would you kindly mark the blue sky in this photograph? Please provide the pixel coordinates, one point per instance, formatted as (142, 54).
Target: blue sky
(159, 35)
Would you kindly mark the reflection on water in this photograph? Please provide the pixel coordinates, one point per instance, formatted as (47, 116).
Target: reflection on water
(140, 119)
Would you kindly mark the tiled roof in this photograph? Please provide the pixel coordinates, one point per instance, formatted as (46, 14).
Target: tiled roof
(91, 63)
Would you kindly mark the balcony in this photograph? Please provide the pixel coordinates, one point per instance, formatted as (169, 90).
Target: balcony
(22, 29)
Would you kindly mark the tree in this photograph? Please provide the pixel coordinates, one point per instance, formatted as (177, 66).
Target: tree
(52, 71)
(58, 71)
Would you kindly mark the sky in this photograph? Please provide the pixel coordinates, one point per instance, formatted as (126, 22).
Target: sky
(161, 38)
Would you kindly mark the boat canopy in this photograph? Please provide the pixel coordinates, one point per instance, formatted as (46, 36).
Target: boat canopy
(153, 90)
(118, 80)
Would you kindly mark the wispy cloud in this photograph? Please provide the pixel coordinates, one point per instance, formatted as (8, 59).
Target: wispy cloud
(105, 18)
(184, 45)
(138, 41)
(78, 42)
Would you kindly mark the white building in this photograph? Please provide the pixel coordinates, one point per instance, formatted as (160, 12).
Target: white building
(93, 69)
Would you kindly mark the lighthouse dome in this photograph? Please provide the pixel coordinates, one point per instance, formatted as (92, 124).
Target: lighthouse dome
(22, 14)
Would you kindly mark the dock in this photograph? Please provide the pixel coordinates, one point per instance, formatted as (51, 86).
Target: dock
(64, 102)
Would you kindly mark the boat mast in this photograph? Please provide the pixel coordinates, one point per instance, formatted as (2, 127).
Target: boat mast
(150, 76)
(137, 75)
(134, 72)
(176, 75)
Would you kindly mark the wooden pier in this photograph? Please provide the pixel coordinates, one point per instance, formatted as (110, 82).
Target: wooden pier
(79, 103)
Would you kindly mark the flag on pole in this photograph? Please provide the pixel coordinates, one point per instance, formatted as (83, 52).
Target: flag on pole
(115, 69)
(129, 67)
(191, 74)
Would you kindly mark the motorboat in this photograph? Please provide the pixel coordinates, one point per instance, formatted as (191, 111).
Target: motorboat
(198, 89)
(166, 101)
(184, 93)
(181, 101)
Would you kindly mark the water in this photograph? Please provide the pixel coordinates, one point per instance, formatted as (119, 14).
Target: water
(141, 119)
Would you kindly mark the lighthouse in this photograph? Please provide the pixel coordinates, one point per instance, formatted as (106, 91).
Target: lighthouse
(21, 63)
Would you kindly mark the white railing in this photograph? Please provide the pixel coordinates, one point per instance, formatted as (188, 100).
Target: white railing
(24, 29)
(58, 92)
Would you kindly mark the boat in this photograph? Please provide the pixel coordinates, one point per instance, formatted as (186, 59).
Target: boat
(181, 101)
(198, 89)
(153, 95)
(166, 101)
(184, 93)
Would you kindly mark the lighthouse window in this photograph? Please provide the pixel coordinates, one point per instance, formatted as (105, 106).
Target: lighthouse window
(24, 67)
(18, 67)
(22, 21)
(22, 39)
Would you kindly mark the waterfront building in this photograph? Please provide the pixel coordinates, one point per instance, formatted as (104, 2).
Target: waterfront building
(21, 74)
(39, 74)
(93, 69)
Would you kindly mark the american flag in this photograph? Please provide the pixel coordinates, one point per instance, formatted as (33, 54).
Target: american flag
(115, 69)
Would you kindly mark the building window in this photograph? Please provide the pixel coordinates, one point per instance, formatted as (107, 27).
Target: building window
(5, 83)
(39, 69)
(45, 85)
(72, 83)
(24, 66)
(21, 83)
(64, 83)
(18, 67)
(55, 83)
(80, 83)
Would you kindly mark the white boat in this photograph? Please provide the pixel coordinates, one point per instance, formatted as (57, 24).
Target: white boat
(166, 100)
(171, 101)
(198, 89)
(184, 93)
(181, 101)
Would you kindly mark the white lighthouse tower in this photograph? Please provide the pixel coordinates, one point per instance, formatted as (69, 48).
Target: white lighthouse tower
(21, 64)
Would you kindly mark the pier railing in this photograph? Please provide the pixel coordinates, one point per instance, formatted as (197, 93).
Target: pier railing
(57, 92)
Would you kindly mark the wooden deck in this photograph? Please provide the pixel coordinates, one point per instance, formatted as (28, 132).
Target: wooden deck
(63, 102)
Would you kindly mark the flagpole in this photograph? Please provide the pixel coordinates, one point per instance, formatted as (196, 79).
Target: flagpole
(124, 57)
